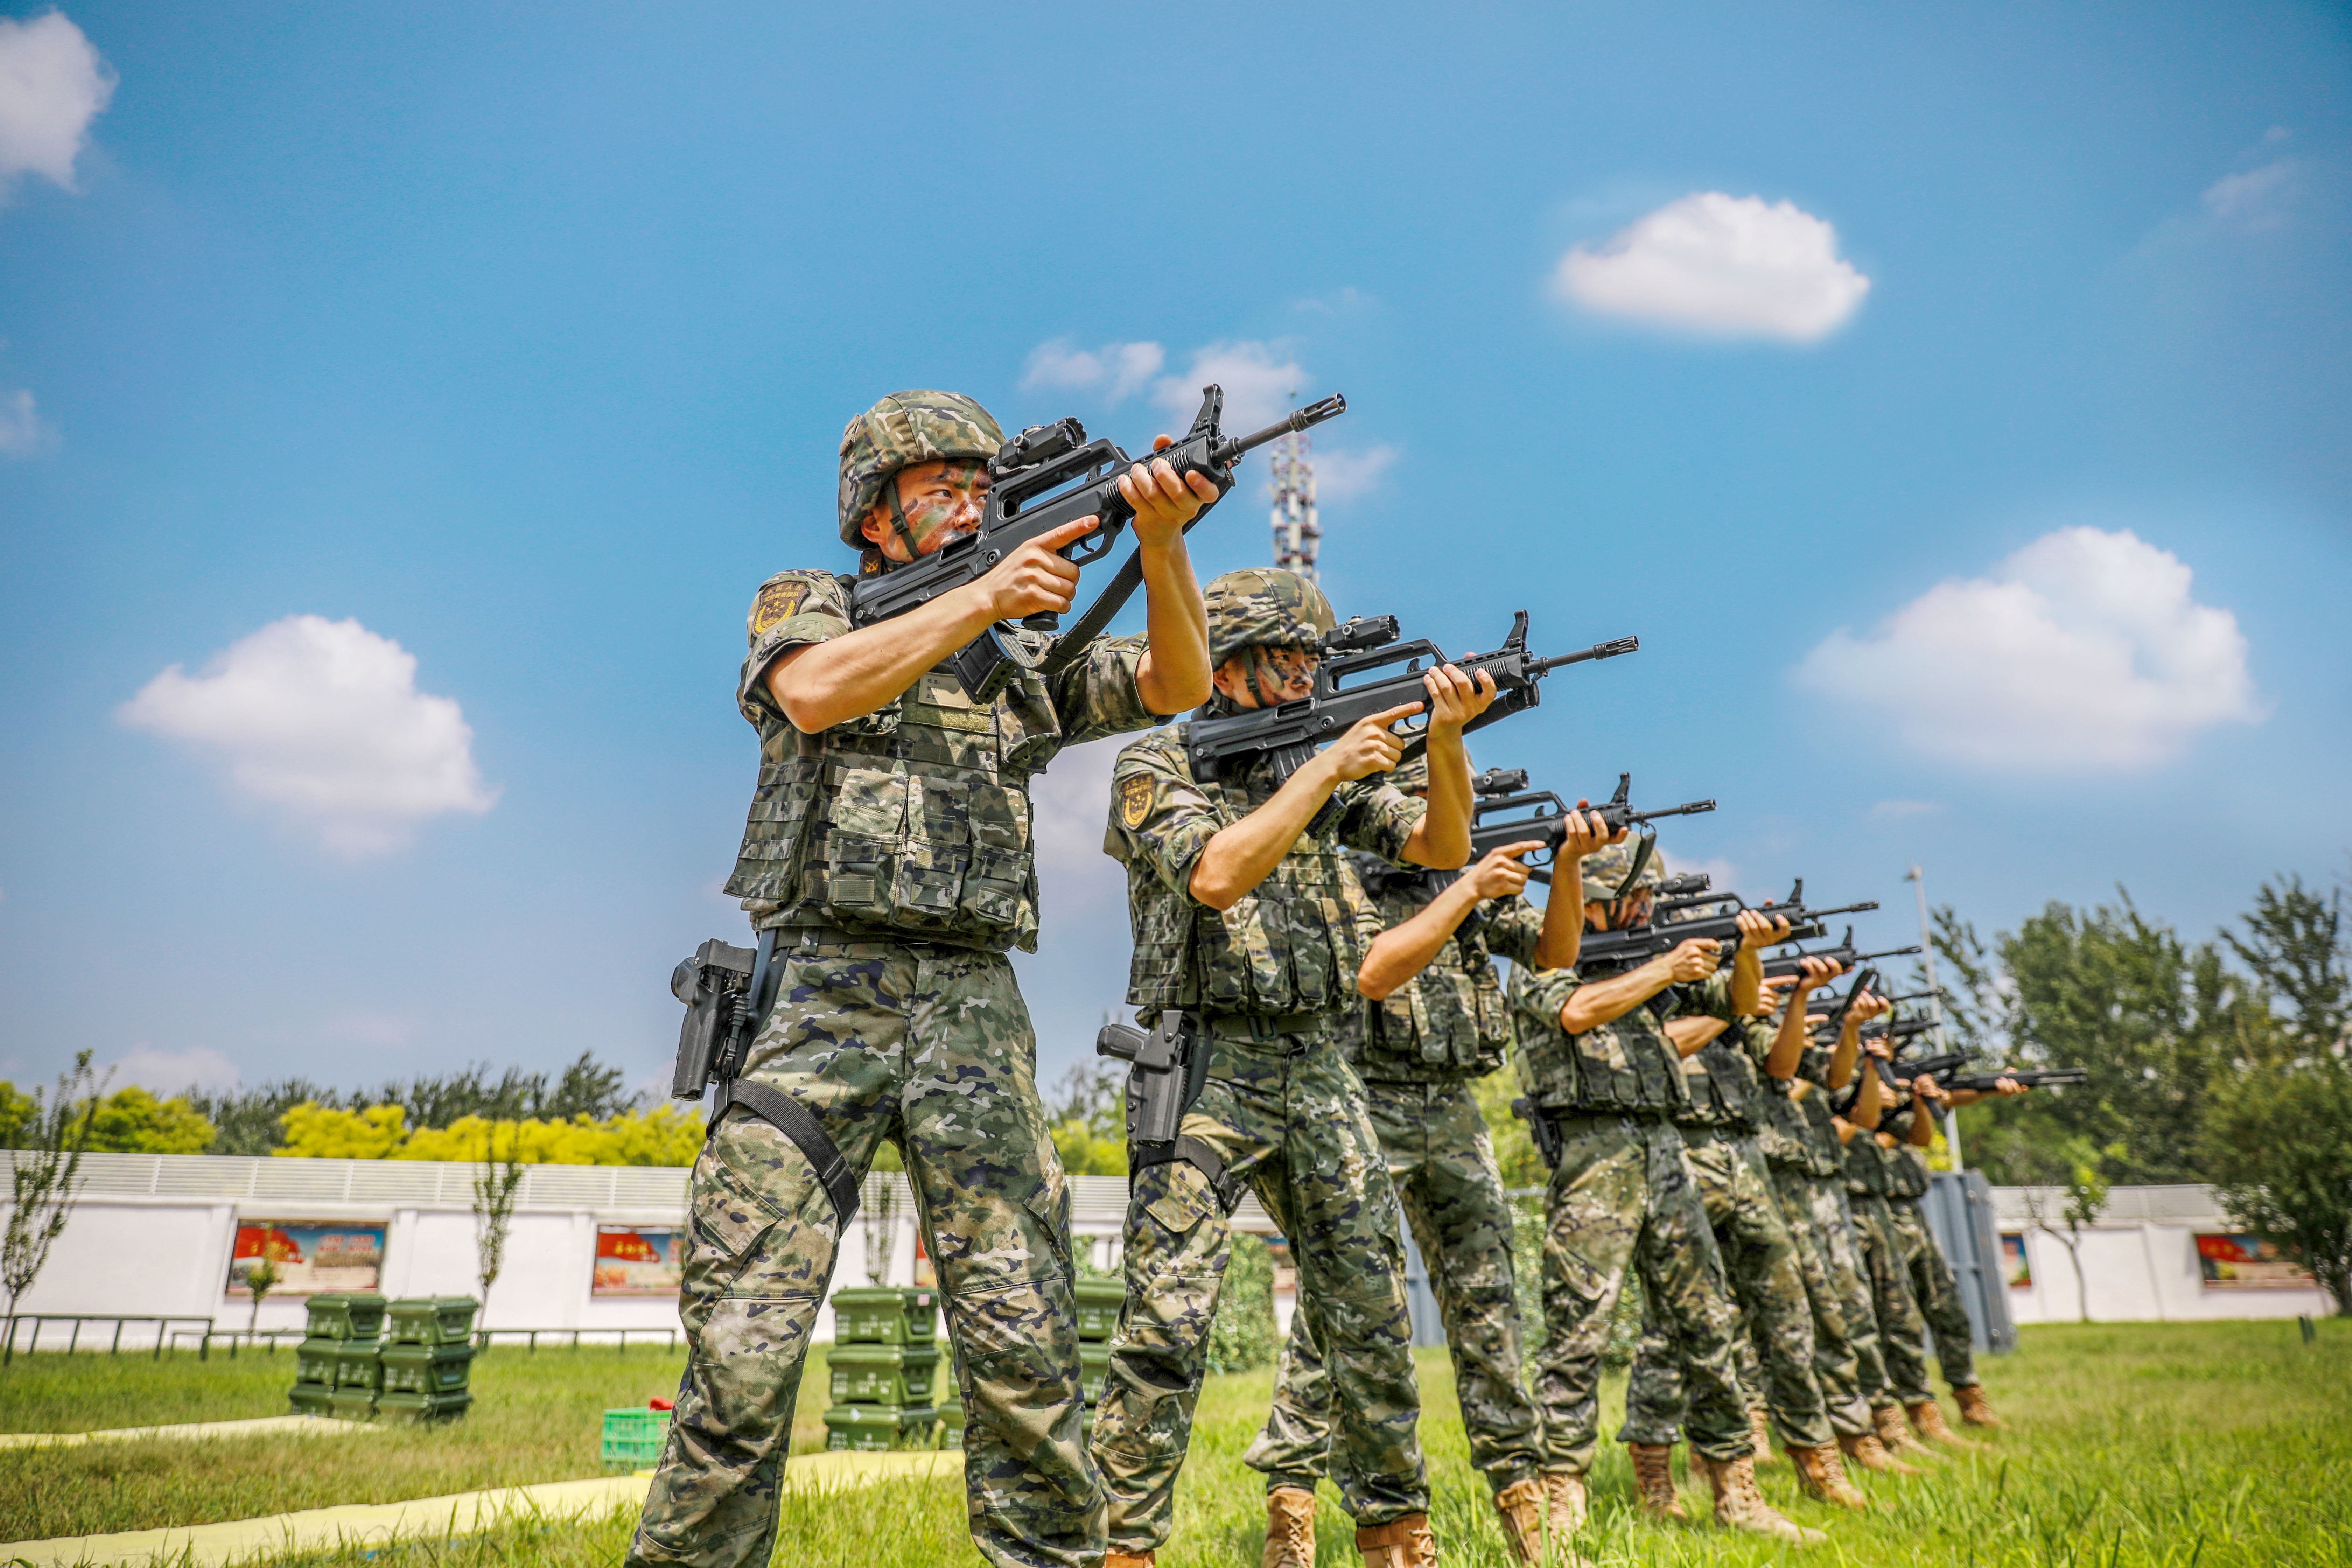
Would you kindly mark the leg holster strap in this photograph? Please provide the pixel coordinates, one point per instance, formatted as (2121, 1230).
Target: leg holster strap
(1197, 1154)
(792, 1119)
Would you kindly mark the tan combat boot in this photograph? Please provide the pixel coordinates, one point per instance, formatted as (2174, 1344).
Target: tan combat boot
(1760, 1424)
(1115, 1558)
(1821, 1474)
(1402, 1543)
(1289, 1529)
(1653, 1480)
(1895, 1438)
(1521, 1504)
(1739, 1506)
(1564, 1501)
(1928, 1416)
(1975, 1410)
(1866, 1451)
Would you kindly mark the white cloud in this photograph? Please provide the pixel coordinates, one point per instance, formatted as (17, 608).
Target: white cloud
(168, 1073)
(1260, 380)
(1893, 808)
(1070, 806)
(2256, 199)
(323, 717)
(1720, 266)
(2081, 652)
(22, 432)
(1343, 474)
(52, 85)
(1116, 371)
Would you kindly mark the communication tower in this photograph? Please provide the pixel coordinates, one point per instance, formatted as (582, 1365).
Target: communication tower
(1297, 536)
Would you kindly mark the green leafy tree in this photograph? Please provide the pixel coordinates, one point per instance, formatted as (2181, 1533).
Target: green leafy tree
(46, 1178)
(2279, 1142)
(496, 1186)
(261, 1278)
(1088, 1116)
(2147, 1015)
(248, 1120)
(133, 1122)
(2294, 945)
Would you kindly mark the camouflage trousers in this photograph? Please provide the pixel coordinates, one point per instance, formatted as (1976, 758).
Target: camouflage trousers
(1846, 1328)
(1938, 1295)
(1624, 1198)
(1441, 1162)
(929, 1047)
(1760, 1264)
(1901, 1330)
(1286, 1115)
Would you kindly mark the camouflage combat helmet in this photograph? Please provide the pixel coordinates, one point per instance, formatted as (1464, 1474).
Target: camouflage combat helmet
(1615, 870)
(903, 429)
(1264, 605)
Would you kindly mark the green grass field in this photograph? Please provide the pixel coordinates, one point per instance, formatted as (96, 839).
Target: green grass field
(2192, 1446)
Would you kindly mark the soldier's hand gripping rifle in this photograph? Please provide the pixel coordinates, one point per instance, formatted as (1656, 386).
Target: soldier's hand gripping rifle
(1897, 1076)
(1366, 670)
(1638, 944)
(1500, 815)
(1047, 475)
(1171, 1065)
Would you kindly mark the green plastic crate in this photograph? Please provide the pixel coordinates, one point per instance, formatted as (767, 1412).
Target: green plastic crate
(359, 1363)
(311, 1399)
(357, 1315)
(634, 1438)
(882, 1374)
(430, 1321)
(885, 1317)
(422, 1407)
(1094, 1366)
(314, 1362)
(873, 1428)
(352, 1403)
(1099, 1304)
(951, 1425)
(427, 1369)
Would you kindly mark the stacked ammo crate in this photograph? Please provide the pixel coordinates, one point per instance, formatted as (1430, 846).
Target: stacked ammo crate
(884, 1369)
(347, 1367)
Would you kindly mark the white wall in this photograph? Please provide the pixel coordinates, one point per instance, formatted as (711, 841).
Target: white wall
(2139, 1263)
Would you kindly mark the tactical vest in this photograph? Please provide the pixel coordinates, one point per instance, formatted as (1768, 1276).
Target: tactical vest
(1865, 1166)
(1802, 1137)
(1451, 1021)
(1291, 944)
(1724, 1089)
(910, 822)
(1626, 1067)
(1906, 1172)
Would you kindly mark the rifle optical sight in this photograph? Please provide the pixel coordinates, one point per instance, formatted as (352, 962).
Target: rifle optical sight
(1361, 634)
(1039, 444)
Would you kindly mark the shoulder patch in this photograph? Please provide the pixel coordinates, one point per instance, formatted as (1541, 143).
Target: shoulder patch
(1134, 800)
(777, 602)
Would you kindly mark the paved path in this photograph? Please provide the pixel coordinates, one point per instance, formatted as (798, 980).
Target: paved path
(259, 1426)
(439, 1518)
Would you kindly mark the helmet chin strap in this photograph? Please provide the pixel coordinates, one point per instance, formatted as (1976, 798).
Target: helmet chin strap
(898, 520)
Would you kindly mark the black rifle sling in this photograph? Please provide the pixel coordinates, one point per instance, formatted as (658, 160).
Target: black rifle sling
(792, 1119)
(1195, 1153)
(1072, 643)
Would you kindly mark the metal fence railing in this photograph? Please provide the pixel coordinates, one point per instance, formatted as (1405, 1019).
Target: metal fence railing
(483, 1338)
(10, 1345)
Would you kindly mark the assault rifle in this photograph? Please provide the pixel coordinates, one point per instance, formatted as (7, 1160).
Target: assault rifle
(1171, 1065)
(1542, 816)
(1047, 475)
(1637, 944)
(1366, 670)
(1793, 962)
(2031, 1078)
(1896, 1028)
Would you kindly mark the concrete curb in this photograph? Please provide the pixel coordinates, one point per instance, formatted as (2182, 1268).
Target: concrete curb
(461, 1513)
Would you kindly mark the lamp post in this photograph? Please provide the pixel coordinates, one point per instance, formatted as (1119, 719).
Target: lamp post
(1918, 880)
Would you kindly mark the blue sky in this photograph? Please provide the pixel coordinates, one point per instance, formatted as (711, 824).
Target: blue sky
(1956, 402)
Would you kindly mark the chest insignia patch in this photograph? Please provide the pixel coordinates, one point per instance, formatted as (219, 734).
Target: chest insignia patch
(1134, 800)
(777, 602)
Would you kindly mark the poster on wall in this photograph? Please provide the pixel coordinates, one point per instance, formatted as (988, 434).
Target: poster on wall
(2014, 1268)
(634, 1261)
(312, 1259)
(2247, 1263)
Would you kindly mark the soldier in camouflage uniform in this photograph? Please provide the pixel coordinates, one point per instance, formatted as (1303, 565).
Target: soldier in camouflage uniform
(1247, 919)
(1606, 1082)
(1434, 1021)
(1808, 1165)
(888, 848)
(1723, 1047)
(1867, 1178)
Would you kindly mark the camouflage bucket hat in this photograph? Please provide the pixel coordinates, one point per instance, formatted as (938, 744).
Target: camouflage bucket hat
(1264, 605)
(1607, 870)
(905, 429)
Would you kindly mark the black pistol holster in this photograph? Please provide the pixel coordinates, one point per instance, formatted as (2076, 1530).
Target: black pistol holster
(727, 991)
(1171, 1065)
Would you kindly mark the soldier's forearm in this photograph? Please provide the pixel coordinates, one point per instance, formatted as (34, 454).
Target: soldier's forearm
(1606, 1001)
(1243, 853)
(1788, 1044)
(1440, 839)
(1174, 674)
(819, 685)
(1405, 949)
(1747, 981)
(1562, 937)
(1692, 1035)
